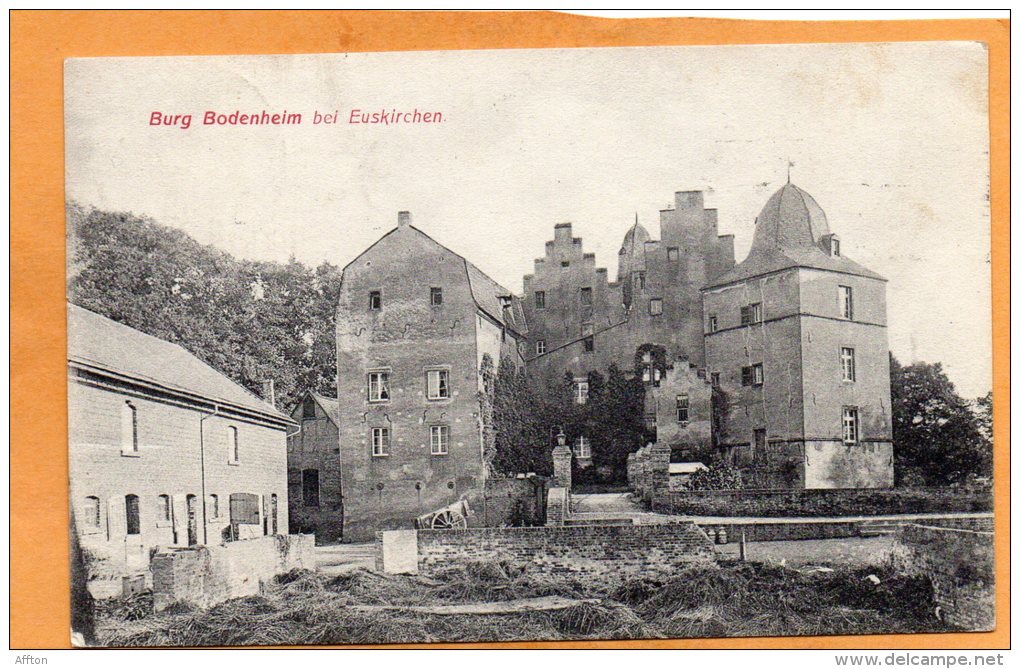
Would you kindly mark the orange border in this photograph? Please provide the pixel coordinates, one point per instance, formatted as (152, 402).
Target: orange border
(40, 40)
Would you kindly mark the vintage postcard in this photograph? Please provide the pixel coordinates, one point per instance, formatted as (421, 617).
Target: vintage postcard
(529, 345)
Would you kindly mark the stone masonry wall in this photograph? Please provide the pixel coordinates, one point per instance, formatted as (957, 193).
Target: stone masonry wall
(608, 554)
(205, 575)
(960, 564)
(823, 502)
(648, 472)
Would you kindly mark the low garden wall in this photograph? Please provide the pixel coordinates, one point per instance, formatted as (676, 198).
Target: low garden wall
(823, 502)
(961, 566)
(509, 502)
(606, 554)
(205, 575)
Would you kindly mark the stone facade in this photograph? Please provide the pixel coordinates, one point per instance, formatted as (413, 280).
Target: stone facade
(206, 575)
(392, 331)
(796, 337)
(315, 494)
(605, 554)
(655, 300)
(152, 462)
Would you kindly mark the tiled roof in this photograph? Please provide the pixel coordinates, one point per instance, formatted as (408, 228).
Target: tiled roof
(102, 344)
(330, 405)
(487, 295)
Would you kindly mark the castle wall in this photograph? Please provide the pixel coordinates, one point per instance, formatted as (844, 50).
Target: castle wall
(405, 337)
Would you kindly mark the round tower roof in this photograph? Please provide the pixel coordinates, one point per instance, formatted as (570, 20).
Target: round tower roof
(791, 219)
(635, 238)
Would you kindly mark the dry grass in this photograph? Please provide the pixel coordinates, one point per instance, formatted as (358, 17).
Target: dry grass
(735, 599)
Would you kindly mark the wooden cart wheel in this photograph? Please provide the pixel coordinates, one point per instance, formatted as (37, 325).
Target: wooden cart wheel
(448, 520)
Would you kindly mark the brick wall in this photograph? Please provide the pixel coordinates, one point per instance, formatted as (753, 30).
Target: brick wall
(505, 501)
(608, 554)
(960, 564)
(205, 575)
(169, 462)
(825, 502)
(648, 472)
(558, 507)
(316, 447)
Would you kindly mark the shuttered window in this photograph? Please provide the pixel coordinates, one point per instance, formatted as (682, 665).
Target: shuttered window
(244, 508)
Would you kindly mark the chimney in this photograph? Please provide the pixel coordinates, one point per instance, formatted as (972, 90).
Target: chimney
(403, 218)
(269, 391)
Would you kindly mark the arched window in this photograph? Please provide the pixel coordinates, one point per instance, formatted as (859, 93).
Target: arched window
(214, 506)
(134, 522)
(91, 513)
(128, 429)
(164, 507)
(233, 447)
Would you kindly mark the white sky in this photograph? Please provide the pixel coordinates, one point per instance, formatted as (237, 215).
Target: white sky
(891, 139)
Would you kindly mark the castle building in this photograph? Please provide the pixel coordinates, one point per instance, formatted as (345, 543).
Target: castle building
(795, 336)
(414, 323)
(580, 322)
(314, 489)
(163, 451)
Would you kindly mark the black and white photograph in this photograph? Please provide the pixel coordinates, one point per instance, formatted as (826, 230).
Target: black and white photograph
(529, 345)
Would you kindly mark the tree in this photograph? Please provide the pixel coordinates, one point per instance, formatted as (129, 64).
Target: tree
(253, 321)
(938, 438)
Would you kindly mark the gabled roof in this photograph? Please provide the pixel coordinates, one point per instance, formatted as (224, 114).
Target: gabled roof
(102, 345)
(790, 231)
(484, 290)
(330, 406)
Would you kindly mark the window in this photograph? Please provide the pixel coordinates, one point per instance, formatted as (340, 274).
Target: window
(233, 446)
(436, 297)
(91, 511)
(715, 379)
(310, 487)
(834, 246)
(439, 438)
(374, 300)
(438, 384)
(683, 409)
(308, 408)
(134, 523)
(540, 347)
(214, 506)
(589, 344)
(586, 296)
(540, 299)
(713, 323)
(846, 302)
(378, 387)
(759, 443)
(655, 306)
(639, 280)
(565, 263)
(581, 392)
(583, 449)
(673, 253)
(164, 508)
(128, 429)
(753, 375)
(651, 423)
(847, 364)
(851, 426)
(380, 441)
(244, 508)
(750, 314)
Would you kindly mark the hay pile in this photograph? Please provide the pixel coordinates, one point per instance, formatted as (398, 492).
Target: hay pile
(304, 607)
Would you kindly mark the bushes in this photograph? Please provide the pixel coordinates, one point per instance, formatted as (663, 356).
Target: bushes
(846, 502)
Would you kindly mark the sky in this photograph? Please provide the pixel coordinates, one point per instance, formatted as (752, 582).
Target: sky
(890, 139)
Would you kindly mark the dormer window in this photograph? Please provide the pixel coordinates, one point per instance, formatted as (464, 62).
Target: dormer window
(834, 246)
(504, 301)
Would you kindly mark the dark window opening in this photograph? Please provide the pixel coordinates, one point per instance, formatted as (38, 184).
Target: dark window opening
(308, 408)
(589, 344)
(436, 297)
(134, 523)
(540, 299)
(375, 300)
(586, 297)
(673, 253)
(310, 487)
